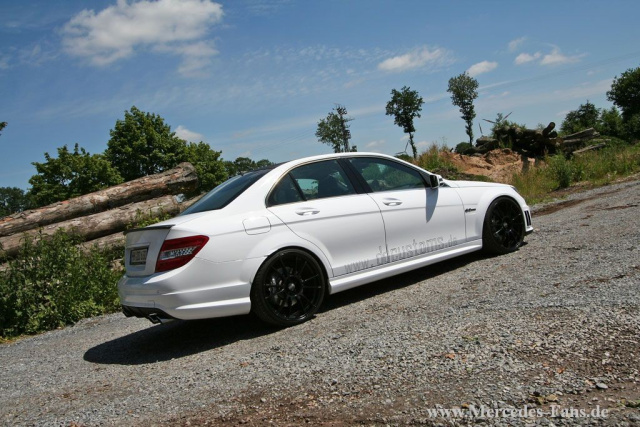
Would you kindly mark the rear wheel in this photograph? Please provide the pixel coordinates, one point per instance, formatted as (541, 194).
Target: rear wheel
(288, 289)
(503, 229)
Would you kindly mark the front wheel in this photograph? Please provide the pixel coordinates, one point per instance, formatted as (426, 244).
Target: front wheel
(503, 229)
(288, 289)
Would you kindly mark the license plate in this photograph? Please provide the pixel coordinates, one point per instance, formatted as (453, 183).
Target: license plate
(138, 256)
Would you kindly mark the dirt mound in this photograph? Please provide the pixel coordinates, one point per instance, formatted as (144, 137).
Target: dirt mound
(499, 165)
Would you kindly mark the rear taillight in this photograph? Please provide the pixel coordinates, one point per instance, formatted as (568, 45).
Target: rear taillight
(177, 252)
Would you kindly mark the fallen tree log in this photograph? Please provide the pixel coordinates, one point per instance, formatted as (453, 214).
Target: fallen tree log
(118, 239)
(100, 224)
(182, 179)
(590, 148)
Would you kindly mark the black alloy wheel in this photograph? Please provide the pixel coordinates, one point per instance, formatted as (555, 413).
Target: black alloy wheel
(504, 229)
(288, 289)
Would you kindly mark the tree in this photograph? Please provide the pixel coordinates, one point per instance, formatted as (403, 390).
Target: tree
(142, 144)
(244, 164)
(263, 163)
(610, 123)
(3, 125)
(334, 130)
(209, 167)
(405, 105)
(625, 93)
(69, 175)
(586, 116)
(13, 200)
(464, 90)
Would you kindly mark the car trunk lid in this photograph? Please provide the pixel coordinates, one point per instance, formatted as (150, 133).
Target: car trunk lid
(142, 248)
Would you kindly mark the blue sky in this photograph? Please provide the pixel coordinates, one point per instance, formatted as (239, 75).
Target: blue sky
(253, 77)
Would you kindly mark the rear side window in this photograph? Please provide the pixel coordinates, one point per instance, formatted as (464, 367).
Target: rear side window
(313, 181)
(225, 193)
(387, 175)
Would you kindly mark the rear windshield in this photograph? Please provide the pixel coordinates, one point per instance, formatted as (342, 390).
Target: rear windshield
(225, 193)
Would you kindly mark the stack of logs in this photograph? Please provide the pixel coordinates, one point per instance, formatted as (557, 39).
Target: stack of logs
(535, 142)
(99, 218)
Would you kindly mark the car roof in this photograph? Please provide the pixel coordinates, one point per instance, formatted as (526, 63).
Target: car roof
(296, 162)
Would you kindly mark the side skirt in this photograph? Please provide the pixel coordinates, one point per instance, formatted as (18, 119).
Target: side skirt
(387, 270)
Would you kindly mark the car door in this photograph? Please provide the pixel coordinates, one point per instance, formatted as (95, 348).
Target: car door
(418, 220)
(319, 203)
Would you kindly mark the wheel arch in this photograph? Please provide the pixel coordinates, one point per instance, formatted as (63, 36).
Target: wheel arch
(486, 201)
(322, 262)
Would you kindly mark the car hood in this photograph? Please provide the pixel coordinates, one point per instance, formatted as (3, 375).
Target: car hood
(473, 184)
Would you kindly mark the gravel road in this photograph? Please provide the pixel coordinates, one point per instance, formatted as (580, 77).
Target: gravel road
(548, 335)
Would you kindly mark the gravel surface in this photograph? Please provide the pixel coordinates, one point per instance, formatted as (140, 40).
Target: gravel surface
(544, 336)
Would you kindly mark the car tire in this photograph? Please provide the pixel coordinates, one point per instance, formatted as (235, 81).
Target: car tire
(503, 229)
(288, 288)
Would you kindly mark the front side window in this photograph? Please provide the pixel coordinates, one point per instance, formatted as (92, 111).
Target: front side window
(313, 181)
(387, 175)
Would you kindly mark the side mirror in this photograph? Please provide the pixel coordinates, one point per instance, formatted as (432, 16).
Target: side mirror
(434, 181)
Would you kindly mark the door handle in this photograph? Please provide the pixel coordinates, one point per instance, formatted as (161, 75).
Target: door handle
(306, 212)
(392, 202)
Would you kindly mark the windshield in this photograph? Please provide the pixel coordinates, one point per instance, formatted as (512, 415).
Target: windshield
(225, 193)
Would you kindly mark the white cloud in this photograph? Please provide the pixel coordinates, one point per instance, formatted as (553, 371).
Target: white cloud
(557, 58)
(515, 44)
(523, 58)
(184, 133)
(374, 144)
(482, 67)
(4, 62)
(418, 58)
(174, 26)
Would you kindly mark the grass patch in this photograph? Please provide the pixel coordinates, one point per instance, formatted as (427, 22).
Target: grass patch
(594, 168)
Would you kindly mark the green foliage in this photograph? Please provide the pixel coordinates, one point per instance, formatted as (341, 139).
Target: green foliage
(244, 164)
(632, 127)
(405, 157)
(145, 219)
(607, 122)
(142, 144)
(464, 90)
(3, 125)
(53, 283)
(561, 170)
(610, 123)
(435, 160)
(464, 148)
(586, 116)
(208, 164)
(405, 105)
(501, 123)
(69, 175)
(12, 200)
(625, 93)
(619, 159)
(333, 130)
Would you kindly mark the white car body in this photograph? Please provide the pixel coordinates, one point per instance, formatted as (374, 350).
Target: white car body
(355, 238)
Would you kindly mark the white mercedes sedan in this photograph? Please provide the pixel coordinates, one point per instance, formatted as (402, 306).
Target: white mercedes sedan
(277, 241)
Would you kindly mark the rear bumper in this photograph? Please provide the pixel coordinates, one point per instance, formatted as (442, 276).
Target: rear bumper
(155, 315)
(199, 290)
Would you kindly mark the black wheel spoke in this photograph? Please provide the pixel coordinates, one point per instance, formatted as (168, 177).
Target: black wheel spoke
(315, 276)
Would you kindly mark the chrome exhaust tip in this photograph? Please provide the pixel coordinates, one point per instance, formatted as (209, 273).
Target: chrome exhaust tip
(155, 319)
